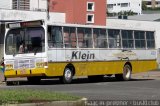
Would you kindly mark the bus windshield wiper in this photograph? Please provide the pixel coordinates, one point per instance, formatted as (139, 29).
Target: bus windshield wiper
(35, 51)
(14, 54)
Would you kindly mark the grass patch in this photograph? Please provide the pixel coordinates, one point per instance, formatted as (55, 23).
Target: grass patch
(30, 96)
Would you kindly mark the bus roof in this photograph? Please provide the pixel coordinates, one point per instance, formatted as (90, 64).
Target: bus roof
(41, 22)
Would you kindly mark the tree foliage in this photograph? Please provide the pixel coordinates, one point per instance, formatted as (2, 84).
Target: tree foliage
(144, 6)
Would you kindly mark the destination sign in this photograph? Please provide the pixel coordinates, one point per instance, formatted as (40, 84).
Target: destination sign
(25, 24)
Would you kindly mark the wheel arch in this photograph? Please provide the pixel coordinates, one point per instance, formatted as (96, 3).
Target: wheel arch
(128, 63)
(71, 66)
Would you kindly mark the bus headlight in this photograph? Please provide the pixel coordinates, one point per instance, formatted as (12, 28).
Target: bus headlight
(9, 66)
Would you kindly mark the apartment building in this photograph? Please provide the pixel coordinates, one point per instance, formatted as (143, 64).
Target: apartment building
(81, 11)
(38, 5)
(116, 6)
(152, 3)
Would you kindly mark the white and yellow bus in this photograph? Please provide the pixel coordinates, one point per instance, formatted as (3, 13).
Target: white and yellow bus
(37, 50)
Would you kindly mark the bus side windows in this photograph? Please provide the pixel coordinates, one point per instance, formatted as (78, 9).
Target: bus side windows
(80, 34)
(50, 44)
(139, 37)
(69, 34)
(84, 38)
(55, 39)
(127, 39)
(88, 38)
(100, 38)
(150, 39)
(114, 38)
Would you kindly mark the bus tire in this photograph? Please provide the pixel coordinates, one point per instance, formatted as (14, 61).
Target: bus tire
(126, 75)
(96, 78)
(67, 76)
(9, 83)
(33, 80)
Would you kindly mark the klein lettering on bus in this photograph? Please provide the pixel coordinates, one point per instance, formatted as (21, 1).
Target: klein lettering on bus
(80, 55)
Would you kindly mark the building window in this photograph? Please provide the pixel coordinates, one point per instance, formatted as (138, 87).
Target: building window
(148, 3)
(90, 18)
(109, 5)
(21, 4)
(124, 4)
(90, 6)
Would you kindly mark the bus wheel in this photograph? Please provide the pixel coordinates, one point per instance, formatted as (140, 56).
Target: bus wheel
(67, 76)
(96, 78)
(126, 76)
(9, 83)
(34, 80)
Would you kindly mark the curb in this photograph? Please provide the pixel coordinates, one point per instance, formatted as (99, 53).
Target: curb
(80, 102)
(147, 75)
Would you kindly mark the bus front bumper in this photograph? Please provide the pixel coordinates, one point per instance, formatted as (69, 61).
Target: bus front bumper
(24, 72)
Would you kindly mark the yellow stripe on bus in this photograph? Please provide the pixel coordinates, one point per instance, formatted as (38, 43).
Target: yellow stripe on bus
(85, 68)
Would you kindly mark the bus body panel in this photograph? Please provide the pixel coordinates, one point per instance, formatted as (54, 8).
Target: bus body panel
(84, 68)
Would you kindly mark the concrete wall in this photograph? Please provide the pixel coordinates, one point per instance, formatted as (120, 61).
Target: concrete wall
(6, 4)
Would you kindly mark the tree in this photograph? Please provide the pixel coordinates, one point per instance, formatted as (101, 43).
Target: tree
(144, 6)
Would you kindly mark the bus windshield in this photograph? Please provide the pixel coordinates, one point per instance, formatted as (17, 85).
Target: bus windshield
(25, 40)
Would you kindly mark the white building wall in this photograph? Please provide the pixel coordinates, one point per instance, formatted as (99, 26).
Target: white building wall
(31, 15)
(6, 4)
(133, 5)
(136, 6)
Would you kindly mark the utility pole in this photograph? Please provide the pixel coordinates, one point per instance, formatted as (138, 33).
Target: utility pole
(48, 2)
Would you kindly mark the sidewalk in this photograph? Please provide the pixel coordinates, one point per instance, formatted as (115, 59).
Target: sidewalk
(147, 75)
(1, 77)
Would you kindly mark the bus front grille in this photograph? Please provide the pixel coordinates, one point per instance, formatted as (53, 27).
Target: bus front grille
(25, 63)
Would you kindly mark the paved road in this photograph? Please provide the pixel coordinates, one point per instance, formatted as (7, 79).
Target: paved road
(109, 89)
